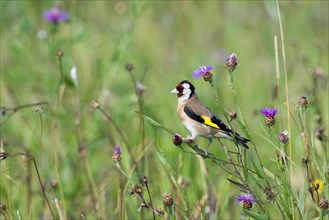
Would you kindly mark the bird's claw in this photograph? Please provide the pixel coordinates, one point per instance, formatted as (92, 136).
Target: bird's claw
(206, 154)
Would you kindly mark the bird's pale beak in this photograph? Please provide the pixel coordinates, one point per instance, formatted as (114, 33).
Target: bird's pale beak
(174, 91)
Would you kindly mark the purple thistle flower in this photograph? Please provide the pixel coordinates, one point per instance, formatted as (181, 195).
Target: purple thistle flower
(231, 61)
(245, 198)
(202, 71)
(117, 150)
(269, 112)
(177, 140)
(284, 137)
(55, 15)
(117, 154)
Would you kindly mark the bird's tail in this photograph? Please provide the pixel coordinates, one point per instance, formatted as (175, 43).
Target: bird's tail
(242, 141)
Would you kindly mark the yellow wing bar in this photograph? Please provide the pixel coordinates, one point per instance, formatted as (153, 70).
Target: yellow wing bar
(208, 122)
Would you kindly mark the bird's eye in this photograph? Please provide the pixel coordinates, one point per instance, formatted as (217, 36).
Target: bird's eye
(179, 87)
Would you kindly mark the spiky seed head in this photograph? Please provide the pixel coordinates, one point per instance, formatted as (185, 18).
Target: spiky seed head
(323, 204)
(167, 199)
(302, 101)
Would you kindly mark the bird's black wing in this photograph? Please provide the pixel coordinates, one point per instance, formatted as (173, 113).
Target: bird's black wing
(212, 121)
(215, 122)
(241, 140)
(220, 124)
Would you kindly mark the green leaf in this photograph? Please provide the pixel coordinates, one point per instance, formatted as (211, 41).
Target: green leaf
(258, 171)
(155, 123)
(324, 213)
(171, 211)
(152, 121)
(242, 187)
(268, 173)
(68, 81)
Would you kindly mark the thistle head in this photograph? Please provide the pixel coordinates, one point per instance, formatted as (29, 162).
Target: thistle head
(283, 137)
(177, 140)
(269, 113)
(246, 199)
(231, 61)
(205, 72)
(116, 157)
(55, 15)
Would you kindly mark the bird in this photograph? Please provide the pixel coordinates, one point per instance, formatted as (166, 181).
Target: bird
(198, 118)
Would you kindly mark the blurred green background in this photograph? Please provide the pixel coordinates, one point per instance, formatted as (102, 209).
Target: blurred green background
(165, 41)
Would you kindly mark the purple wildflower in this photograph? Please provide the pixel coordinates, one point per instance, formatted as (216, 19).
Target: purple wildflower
(231, 61)
(177, 140)
(202, 71)
(117, 154)
(269, 112)
(117, 150)
(284, 137)
(247, 200)
(55, 15)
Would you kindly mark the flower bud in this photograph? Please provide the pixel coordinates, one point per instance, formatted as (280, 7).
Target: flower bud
(270, 194)
(129, 67)
(177, 140)
(231, 61)
(136, 189)
(167, 199)
(94, 104)
(283, 137)
(302, 101)
(323, 204)
(116, 157)
(59, 53)
(38, 110)
(144, 180)
(233, 115)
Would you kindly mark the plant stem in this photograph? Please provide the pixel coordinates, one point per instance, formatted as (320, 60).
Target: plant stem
(117, 128)
(215, 93)
(287, 96)
(139, 93)
(149, 194)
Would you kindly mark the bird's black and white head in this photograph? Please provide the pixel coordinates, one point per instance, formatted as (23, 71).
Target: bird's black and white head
(184, 90)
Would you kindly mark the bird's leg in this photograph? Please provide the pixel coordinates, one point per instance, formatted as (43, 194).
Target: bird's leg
(223, 145)
(206, 150)
(188, 139)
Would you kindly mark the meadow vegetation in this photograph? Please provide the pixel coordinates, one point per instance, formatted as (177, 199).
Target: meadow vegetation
(89, 130)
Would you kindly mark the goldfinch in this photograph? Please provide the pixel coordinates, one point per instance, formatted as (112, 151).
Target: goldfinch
(199, 120)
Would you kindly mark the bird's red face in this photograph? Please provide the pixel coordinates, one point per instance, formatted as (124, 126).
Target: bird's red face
(178, 90)
(184, 90)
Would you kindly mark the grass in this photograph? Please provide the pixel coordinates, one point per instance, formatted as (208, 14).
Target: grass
(58, 139)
